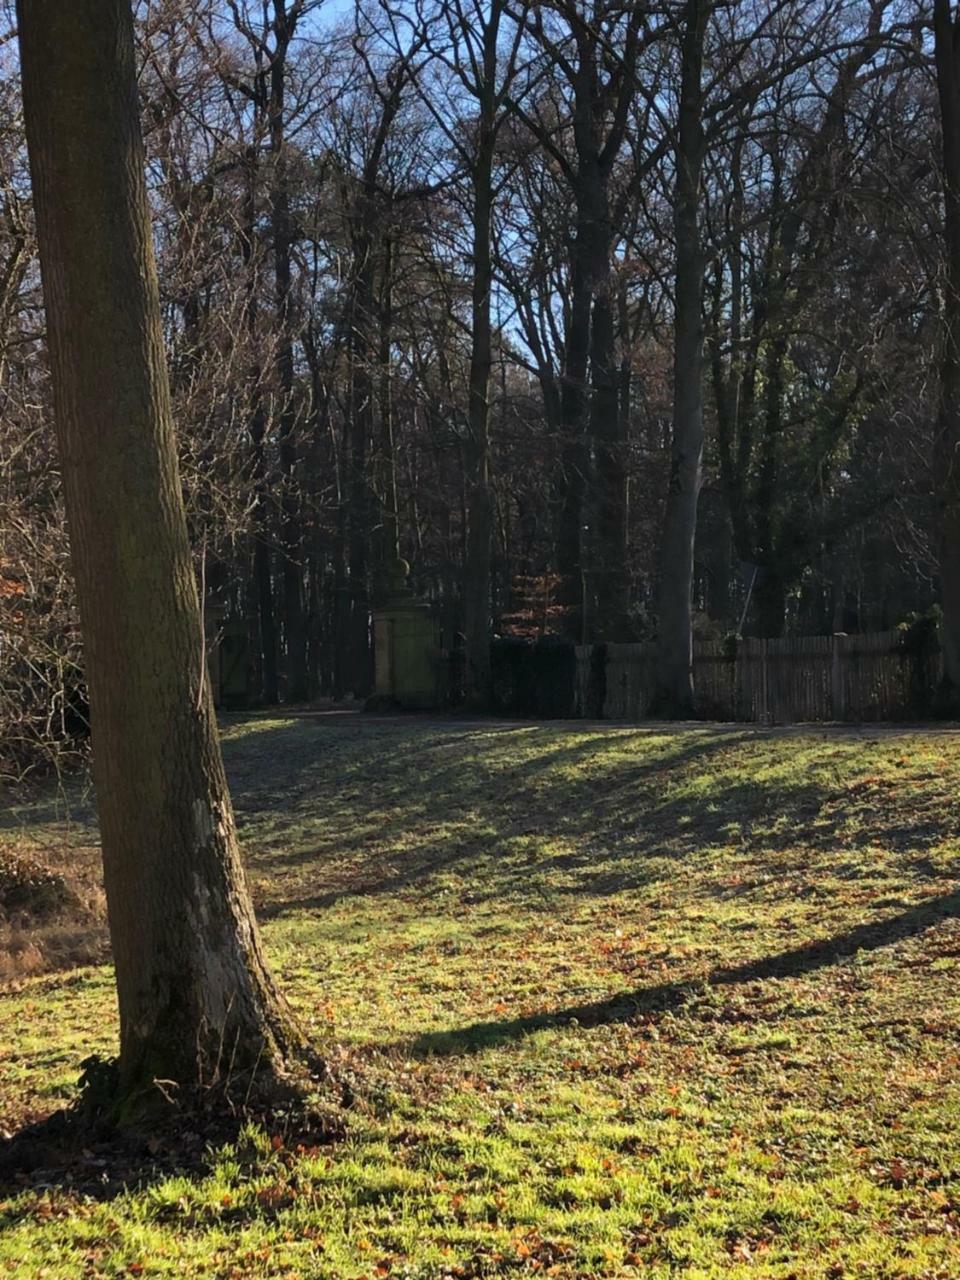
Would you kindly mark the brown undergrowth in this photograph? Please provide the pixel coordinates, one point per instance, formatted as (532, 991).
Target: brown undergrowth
(52, 910)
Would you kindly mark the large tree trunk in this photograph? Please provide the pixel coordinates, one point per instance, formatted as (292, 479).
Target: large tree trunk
(477, 567)
(770, 602)
(947, 455)
(262, 575)
(608, 428)
(196, 999)
(388, 532)
(360, 514)
(674, 692)
(575, 461)
(294, 613)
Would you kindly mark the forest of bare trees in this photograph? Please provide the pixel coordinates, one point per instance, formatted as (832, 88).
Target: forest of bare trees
(620, 321)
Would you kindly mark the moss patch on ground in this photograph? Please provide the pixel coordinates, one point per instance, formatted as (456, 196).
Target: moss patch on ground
(660, 1002)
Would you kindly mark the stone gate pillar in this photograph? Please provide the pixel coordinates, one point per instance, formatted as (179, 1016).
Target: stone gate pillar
(406, 646)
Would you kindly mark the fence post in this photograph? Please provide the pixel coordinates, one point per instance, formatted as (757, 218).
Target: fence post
(837, 683)
(750, 689)
(765, 717)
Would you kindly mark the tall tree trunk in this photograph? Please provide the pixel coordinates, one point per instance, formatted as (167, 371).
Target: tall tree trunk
(294, 614)
(574, 456)
(263, 579)
(319, 461)
(674, 692)
(363, 542)
(388, 549)
(947, 455)
(360, 512)
(195, 996)
(770, 597)
(262, 571)
(477, 567)
(607, 427)
(341, 598)
(602, 77)
(770, 603)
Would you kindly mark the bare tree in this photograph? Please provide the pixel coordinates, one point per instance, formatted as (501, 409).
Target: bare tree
(947, 55)
(476, 51)
(674, 693)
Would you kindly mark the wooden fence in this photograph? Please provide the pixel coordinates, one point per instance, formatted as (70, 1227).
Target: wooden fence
(858, 678)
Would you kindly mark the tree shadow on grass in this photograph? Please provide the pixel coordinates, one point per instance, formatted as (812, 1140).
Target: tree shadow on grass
(413, 772)
(74, 1153)
(340, 805)
(366, 808)
(48, 1156)
(394, 839)
(59, 1154)
(626, 1006)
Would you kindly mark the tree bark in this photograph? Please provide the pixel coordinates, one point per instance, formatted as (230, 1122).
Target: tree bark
(196, 999)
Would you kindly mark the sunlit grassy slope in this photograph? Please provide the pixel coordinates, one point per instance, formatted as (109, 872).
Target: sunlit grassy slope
(613, 1002)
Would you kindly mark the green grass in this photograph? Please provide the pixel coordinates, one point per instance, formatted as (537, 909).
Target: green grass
(613, 1002)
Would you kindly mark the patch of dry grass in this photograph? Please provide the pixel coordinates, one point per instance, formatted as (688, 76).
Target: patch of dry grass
(52, 909)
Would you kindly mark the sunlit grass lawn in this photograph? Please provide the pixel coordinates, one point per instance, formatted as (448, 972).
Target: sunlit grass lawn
(612, 1002)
